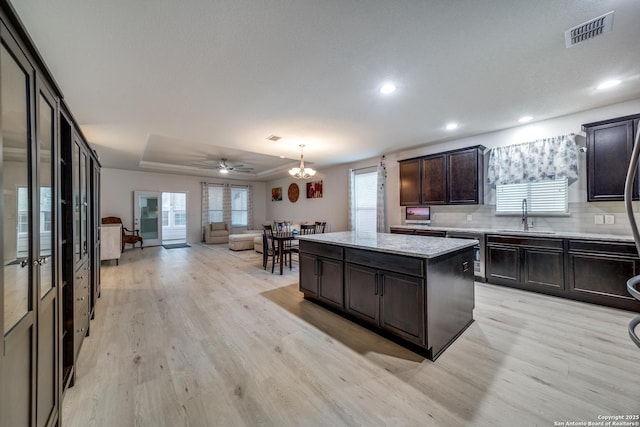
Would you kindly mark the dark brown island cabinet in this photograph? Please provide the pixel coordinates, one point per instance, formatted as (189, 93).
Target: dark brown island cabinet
(453, 177)
(49, 277)
(609, 146)
(421, 297)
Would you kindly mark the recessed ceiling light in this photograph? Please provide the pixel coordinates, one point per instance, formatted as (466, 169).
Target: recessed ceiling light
(525, 119)
(608, 84)
(224, 171)
(387, 88)
(452, 126)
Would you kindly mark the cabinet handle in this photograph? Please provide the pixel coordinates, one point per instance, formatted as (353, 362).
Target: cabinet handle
(382, 285)
(81, 299)
(24, 263)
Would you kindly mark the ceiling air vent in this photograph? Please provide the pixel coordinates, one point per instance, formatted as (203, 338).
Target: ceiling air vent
(588, 30)
(274, 138)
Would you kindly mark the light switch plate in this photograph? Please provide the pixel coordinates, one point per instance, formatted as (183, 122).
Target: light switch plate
(609, 219)
(598, 219)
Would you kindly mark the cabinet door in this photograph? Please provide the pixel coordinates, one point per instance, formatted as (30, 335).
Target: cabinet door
(609, 149)
(603, 278)
(503, 264)
(308, 274)
(410, 182)
(331, 283)
(20, 220)
(402, 306)
(434, 188)
(543, 268)
(462, 177)
(361, 292)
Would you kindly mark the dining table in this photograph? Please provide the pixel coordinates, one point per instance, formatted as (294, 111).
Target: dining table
(281, 238)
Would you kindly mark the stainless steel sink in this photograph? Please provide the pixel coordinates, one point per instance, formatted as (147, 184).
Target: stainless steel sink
(527, 232)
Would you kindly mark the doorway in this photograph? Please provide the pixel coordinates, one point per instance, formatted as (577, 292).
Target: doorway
(147, 216)
(174, 218)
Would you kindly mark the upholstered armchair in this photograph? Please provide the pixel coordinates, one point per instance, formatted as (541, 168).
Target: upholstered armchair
(217, 232)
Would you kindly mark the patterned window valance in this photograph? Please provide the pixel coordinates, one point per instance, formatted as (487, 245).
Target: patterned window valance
(544, 159)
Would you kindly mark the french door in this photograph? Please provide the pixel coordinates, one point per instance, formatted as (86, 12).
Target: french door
(147, 216)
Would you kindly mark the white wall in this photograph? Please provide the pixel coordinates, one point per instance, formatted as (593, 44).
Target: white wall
(116, 196)
(333, 207)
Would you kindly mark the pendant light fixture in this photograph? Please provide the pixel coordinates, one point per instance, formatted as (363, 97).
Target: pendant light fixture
(301, 172)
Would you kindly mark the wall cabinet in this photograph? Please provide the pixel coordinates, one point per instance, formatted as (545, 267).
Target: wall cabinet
(453, 177)
(609, 147)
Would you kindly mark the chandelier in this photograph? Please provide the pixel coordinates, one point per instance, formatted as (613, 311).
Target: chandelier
(301, 172)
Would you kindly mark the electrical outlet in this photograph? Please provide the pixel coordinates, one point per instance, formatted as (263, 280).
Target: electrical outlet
(609, 219)
(598, 219)
(469, 217)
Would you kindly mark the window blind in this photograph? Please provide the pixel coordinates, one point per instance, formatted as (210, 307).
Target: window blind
(239, 206)
(365, 200)
(543, 197)
(215, 203)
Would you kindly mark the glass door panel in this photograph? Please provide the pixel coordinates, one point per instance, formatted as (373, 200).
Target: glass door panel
(45, 140)
(84, 204)
(16, 193)
(147, 217)
(76, 202)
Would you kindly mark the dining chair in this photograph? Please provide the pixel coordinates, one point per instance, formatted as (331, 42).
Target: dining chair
(320, 227)
(305, 229)
(271, 249)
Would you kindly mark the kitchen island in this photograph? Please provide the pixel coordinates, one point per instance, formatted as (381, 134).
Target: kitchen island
(418, 291)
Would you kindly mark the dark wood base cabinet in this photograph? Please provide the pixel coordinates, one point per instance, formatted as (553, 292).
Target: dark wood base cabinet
(599, 272)
(422, 303)
(584, 270)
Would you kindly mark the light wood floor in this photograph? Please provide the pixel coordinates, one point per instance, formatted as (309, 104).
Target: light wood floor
(202, 336)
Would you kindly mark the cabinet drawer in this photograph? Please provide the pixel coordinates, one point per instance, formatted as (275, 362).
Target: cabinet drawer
(613, 248)
(535, 242)
(80, 324)
(321, 249)
(390, 262)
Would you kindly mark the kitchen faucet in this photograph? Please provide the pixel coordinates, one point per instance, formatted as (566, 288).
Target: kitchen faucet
(525, 216)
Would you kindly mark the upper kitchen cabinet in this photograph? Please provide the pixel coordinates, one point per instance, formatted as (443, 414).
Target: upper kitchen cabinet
(609, 146)
(410, 182)
(453, 177)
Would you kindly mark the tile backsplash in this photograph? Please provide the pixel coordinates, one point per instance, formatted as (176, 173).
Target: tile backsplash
(581, 218)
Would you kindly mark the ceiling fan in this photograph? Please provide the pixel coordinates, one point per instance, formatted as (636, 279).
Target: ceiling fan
(224, 166)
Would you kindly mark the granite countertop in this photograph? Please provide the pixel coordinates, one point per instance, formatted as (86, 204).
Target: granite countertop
(531, 233)
(401, 244)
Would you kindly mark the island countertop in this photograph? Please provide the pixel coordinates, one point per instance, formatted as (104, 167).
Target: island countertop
(414, 246)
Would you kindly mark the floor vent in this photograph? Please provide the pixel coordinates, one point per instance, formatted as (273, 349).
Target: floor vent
(588, 30)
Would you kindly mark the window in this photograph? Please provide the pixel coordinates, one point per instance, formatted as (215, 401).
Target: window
(180, 218)
(239, 206)
(543, 197)
(365, 197)
(165, 217)
(215, 203)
